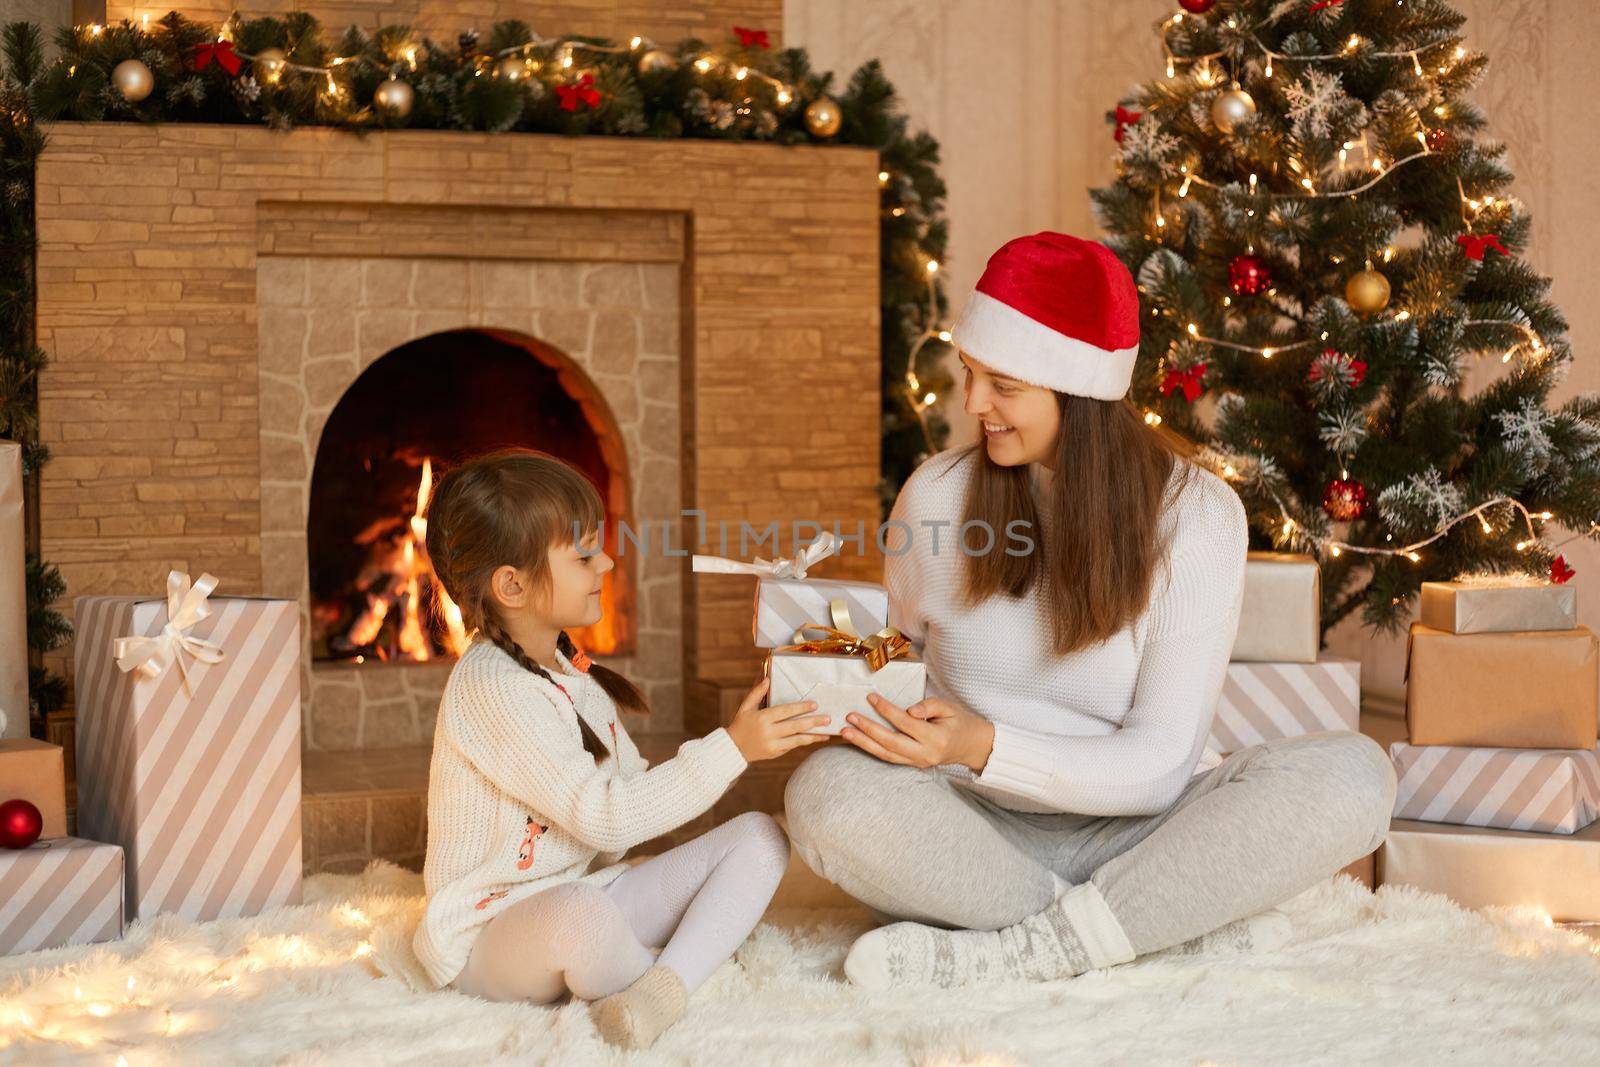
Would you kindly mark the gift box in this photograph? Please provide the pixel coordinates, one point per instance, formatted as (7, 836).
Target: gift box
(1480, 867)
(1530, 689)
(1280, 616)
(788, 599)
(1364, 870)
(1554, 791)
(1265, 701)
(13, 597)
(840, 684)
(1498, 604)
(188, 742)
(35, 771)
(62, 892)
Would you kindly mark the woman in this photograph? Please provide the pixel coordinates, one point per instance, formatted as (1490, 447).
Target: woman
(1039, 814)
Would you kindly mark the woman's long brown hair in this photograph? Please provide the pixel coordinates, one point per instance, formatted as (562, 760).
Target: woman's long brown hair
(1097, 556)
(510, 508)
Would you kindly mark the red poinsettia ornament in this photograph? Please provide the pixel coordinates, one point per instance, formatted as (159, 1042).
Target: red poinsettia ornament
(1560, 573)
(1345, 500)
(1187, 380)
(579, 92)
(1249, 275)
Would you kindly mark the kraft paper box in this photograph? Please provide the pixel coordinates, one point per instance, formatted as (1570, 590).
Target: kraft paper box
(1554, 791)
(198, 780)
(1499, 606)
(840, 684)
(1281, 613)
(1502, 690)
(13, 598)
(35, 771)
(1478, 867)
(783, 605)
(1266, 701)
(1364, 870)
(57, 893)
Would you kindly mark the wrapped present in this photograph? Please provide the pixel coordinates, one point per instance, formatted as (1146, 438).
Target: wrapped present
(1554, 791)
(35, 771)
(1499, 603)
(62, 892)
(1265, 701)
(839, 672)
(1480, 867)
(1280, 616)
(188, 739)
(1364, 870)
(787, 599)
(1530, 689)
(13, 597)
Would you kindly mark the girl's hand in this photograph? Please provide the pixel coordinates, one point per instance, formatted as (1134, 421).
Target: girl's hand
(932, 732)
(759, 733)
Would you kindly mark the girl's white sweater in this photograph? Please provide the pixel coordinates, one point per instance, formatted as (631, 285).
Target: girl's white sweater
(515, 804)
(1113, 729)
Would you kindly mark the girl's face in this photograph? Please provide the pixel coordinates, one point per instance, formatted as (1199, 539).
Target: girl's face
(573, 598)
(1018, 421)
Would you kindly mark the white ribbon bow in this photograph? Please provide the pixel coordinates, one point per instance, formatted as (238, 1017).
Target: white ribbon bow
(186, 605)
(824, 546)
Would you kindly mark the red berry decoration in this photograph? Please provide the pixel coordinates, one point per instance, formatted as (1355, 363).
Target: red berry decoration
(1345, 500)
(1197, 7)
(1249, 275)
(20, 824)
(1438, 139)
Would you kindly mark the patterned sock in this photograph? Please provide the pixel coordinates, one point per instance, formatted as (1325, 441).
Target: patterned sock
(635, 1017)
(1262, 932)
(1076, 933)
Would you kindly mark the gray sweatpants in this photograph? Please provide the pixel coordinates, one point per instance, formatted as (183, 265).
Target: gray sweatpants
(1266, 824)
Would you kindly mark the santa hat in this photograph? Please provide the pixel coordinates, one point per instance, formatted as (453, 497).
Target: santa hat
(1057, 311)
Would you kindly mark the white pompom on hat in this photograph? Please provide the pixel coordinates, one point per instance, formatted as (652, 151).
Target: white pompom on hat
(1057, 311)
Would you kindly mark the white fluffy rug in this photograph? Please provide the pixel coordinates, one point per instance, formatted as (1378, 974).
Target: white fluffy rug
(1399, 977)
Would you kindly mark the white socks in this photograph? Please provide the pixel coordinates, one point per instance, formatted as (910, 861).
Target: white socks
(635, 1017)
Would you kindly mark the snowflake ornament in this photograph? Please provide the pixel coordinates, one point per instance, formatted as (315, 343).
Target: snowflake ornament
(1147, 143)
(1423, 496)
(1526, 432)
(1313, 101)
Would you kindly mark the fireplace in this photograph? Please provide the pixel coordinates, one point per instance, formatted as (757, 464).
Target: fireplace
(422, 407)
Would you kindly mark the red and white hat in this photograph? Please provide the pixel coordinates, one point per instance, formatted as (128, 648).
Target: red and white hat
(1058, 311)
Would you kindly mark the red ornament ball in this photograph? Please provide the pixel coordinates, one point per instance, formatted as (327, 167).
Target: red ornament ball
(1249, 275)
(1345, 500)
(1438, 139)
(20, 824)
(1197, 7)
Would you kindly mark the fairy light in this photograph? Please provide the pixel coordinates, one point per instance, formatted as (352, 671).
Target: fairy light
(933, 266)
(883, 177)
(784, 96)
(635, 42)
(944, 335)
(741, 74)
(703, 64)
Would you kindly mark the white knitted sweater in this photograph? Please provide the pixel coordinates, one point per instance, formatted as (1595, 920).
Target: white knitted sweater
(1113, 729)
(515, 804)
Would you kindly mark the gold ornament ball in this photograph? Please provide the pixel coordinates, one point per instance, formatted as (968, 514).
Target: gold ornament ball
(656, 61)
(395, 97)
(511, 69)
(1231, 108)
(822, 117)
(269, 65)
(133, 80)
(1367, 291)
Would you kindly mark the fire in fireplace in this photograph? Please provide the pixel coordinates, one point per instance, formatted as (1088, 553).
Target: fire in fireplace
(418, 409)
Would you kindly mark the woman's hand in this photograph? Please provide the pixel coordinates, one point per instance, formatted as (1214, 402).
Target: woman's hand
(761, 735)
(932, 732)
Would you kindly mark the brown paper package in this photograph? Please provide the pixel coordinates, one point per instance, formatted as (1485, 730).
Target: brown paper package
(1364, 870)
(1279, 615)
(1478, 867)
(13, 597)
(1502, 690)
(33, 771)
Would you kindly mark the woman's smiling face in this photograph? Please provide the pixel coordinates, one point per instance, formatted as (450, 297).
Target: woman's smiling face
(1018, 421)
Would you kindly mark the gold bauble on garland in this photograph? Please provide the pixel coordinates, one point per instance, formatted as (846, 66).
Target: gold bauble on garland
(1367, 291)
(394, 98)
(133, 80)
(656, 61)
(822, 117)
(269, 65)
(1231, 108)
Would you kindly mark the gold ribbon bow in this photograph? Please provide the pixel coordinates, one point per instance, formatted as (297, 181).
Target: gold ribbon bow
(844, 640)
(186, 605)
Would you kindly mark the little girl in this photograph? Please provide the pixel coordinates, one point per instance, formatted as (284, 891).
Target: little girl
(536, 790)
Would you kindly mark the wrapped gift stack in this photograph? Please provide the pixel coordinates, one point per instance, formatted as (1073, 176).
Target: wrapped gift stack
(1279, 684)
(1499, 779)
(829, 639)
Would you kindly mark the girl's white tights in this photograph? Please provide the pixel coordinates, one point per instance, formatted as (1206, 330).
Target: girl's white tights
(696, 902)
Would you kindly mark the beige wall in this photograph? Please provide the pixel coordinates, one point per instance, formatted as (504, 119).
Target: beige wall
(1015, 91)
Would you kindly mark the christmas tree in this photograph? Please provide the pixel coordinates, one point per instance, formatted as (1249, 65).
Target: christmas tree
(1324, 243)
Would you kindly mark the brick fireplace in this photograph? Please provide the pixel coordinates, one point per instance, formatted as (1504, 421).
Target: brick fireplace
(213, 298)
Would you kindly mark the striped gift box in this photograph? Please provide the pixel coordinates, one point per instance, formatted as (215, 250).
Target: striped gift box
(1266, 701)
(783, 605)
(199, 784)
(1554, 791)
(66, 891)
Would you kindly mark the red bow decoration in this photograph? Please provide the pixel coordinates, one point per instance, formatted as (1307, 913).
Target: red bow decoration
(1474, 244)
(582, 90)
(1320, 4)
(1125, 118)
(221, 51)
(756, 38)
(1559, 571)
(1187, 379)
